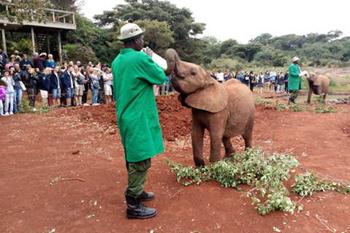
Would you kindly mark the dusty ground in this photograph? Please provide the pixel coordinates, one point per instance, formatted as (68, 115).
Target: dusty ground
(64, 172)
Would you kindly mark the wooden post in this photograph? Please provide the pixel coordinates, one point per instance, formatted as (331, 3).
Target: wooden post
(59, 47)
(3, 40)
(48, 44)
(33, 39)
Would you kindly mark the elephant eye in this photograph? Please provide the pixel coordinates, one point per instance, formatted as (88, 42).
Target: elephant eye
(193, 72)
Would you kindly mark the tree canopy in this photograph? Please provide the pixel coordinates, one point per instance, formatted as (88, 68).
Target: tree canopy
(167, 26)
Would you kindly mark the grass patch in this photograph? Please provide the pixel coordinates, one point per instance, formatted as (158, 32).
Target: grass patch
(265, 174)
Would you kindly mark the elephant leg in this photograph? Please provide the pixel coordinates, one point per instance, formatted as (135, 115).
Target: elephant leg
(197, 143)
(247, 136)
(215, 144)
(229, 150)
(324, 97)
(309, 95)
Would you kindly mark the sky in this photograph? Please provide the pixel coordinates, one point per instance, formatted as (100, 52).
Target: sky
(243, 20)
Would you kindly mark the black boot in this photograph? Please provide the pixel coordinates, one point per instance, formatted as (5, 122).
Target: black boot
(146, 196)
(135, 209)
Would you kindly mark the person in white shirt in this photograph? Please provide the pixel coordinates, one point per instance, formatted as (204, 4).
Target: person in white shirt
(10, 93)
(220, 77)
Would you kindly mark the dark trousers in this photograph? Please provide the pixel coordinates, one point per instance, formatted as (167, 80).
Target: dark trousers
(137, 175)
(31, 96)
(293, 96)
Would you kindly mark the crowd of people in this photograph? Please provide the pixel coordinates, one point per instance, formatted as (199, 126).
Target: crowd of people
(262, 82)
(66, 85)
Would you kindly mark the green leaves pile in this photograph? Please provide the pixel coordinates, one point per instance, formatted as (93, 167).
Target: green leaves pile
(265, 175)
(307, 184)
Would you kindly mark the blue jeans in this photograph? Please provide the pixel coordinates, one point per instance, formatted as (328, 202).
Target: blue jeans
(69, 92)
(94, 95)
(17, 102)
(56, 93)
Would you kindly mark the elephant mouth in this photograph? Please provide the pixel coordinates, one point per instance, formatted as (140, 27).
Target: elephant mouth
(175, 84)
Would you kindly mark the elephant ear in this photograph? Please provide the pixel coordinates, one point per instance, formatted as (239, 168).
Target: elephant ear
(213, 98)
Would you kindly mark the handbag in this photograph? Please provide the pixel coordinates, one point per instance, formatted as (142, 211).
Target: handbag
(23, 87)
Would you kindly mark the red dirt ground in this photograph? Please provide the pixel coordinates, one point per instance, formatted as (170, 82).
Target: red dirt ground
(64, 172)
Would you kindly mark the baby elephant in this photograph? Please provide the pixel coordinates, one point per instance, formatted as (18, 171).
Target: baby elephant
(225, 110)
(318, 84)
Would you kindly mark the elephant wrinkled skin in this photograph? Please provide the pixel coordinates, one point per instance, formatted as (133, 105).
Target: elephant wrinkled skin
(225, 110)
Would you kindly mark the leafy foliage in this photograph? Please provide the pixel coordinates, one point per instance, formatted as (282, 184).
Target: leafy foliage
(266, 175)
(308, 183)
(158, 35)
(23, 10)
(180, 20)
(78, 52)
(323, 108)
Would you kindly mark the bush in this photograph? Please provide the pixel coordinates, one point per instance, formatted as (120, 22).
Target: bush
(75, 52)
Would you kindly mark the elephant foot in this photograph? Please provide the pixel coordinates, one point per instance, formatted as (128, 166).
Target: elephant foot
(229, 155)
(214, 159)
(199, 162)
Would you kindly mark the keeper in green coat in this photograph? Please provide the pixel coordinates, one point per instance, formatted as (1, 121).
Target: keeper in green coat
(134, 74)
(294, 79)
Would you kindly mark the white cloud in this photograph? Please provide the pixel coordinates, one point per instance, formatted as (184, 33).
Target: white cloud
(245, 19)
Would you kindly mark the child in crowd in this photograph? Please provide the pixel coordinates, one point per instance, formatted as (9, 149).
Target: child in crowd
(2, 96)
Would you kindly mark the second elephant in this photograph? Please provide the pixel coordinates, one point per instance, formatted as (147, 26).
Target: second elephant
(318, 84)
(225, 110)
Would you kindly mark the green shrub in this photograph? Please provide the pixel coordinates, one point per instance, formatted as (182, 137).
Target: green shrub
(266, 175)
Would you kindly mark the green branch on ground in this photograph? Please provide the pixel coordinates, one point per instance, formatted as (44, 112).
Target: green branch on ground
(266, 175)
(308, 183)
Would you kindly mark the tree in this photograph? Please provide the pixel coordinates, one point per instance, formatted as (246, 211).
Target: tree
(78, 52)
(103, 42)
(228, 46)
(23, 10)
(158, 35)
(263, 39)
(180, 21)
(68, 5)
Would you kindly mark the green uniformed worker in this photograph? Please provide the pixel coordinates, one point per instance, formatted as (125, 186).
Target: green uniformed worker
(294, 79)
(134, 74)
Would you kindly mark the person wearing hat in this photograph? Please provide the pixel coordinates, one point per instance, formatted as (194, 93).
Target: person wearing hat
(134, 74)
(294, 79)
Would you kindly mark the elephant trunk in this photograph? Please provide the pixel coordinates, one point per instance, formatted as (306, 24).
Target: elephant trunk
(172, 59)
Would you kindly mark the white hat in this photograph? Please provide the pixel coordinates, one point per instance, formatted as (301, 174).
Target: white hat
(294, 59)
(129, 31)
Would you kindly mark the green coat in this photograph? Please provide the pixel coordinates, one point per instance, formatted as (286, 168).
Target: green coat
(134, 74)
(294, 79)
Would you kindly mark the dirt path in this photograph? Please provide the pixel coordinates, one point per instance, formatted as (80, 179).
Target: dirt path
(64, 172)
